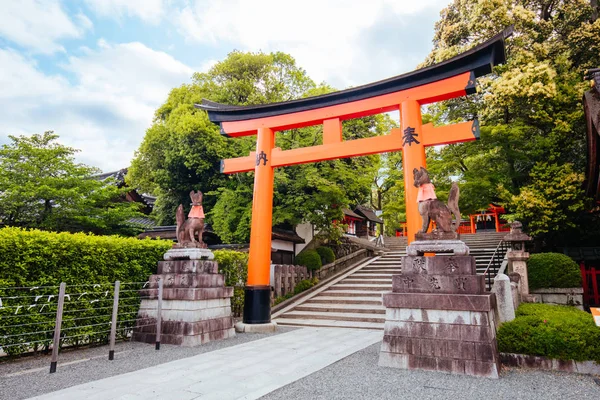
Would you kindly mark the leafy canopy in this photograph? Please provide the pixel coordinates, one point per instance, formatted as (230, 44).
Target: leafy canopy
(529, 108)
(183, 150)
(41, 186)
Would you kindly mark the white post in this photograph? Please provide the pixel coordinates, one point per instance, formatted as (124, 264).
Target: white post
(113, 325)
(59, 313)
(159, 313)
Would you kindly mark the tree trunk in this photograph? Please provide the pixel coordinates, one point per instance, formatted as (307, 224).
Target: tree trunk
(594, 5)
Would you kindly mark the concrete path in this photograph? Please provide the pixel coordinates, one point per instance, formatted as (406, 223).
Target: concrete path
(245, 371)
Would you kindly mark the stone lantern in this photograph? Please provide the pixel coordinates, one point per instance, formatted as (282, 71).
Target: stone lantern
(517, 258)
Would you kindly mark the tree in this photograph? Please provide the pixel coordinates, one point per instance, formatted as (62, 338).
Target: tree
(529, 108)
(42, 187)
(183, 150)
(552, 201)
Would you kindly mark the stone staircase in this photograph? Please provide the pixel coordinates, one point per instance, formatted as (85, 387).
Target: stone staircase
(354, 299)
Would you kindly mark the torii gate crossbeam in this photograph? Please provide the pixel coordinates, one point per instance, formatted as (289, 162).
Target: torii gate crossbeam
(406, 93)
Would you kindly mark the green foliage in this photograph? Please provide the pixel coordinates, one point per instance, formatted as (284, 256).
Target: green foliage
(42, 187)
(310, 259)
(559, 332)
(532, 147)
(299, 288)
(183, 151)
(327, 255)
(234, 266)
(552, 270)
(552, 200)
(305, 284)
(88, 264)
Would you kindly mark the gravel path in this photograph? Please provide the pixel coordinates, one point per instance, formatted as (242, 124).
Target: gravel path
(359, 377)
(28, 376)
(354, 377)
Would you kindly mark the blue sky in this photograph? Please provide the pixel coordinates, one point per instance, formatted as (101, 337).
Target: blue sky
(94, 71)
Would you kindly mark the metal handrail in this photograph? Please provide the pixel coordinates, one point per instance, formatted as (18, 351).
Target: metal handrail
(502, 245)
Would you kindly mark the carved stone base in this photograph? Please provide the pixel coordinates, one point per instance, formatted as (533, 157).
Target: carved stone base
(437, 235)
(193, 253)
(439, 318)
(420, 247)
(196, 304)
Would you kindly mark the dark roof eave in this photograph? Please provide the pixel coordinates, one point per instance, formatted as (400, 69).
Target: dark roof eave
(479, 60)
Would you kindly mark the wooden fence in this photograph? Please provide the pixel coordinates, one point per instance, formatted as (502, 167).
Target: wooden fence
(286, 277)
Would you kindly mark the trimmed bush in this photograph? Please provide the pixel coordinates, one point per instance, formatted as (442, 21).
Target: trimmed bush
(310, 259)
(39, 258)
(88, 264)
(326, 254)
(552, 270)
(234, 266)
(559, 332)
(305, 284)
(299, 288)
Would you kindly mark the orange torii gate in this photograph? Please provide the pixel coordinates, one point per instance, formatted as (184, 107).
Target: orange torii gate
(407, 93)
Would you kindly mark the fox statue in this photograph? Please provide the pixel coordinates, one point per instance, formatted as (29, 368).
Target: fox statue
(431, 208)
(194, 225)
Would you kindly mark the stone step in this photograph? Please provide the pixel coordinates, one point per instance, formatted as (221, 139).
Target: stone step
(344, 300)
(337, 316)
(381, 270)
(343, 308)
(354, 293)
(365, 287)
(329, 323)
(365, 274)
(363, 281)
(386, 262)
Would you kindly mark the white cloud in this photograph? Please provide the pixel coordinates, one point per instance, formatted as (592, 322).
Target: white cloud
(325, 37)
(104, 112)
(147, 10)
(40, 24)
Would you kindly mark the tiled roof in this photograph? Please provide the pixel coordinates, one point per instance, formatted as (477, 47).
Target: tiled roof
(351, 213)
(369, 214)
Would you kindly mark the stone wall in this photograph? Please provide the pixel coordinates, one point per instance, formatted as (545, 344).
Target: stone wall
(560, 296)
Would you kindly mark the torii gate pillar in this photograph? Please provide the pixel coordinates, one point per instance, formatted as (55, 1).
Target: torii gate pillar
(257, 303)
(413, 157)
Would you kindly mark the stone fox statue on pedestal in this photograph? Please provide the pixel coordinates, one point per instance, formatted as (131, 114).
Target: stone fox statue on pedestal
(431, 208)
(194, 225)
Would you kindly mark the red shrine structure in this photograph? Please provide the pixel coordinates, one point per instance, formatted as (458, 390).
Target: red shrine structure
(407, 93)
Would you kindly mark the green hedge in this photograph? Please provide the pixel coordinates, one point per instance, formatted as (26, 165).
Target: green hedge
(234, 266)
(88, 264)
(559, 332)
(310, 259)
(552, 270)
(326, 254)
(299, 288)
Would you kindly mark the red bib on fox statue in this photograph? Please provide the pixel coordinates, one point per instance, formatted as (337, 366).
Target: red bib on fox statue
(426, 192)
(196, 212)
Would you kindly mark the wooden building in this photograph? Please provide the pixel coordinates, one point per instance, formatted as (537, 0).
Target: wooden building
(362, 222)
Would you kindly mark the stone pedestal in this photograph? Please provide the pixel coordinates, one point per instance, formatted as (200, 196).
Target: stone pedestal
(517, 263)
(504, 298)
(196, 305)
(439, 317)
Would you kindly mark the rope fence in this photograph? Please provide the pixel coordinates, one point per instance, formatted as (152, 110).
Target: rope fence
(44, 318)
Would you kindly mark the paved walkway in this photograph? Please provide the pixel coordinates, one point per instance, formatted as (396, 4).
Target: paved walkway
(245, 371)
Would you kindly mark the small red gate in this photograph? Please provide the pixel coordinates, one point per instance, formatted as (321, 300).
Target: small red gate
(591, 277)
